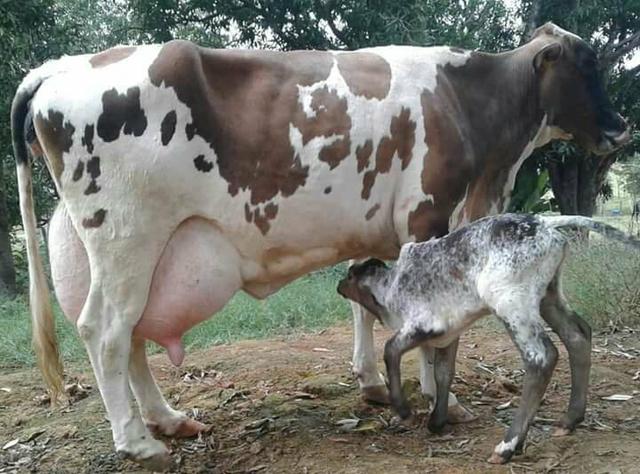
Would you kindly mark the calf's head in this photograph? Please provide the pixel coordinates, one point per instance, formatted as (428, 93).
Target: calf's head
(572, 91)
(363, 282)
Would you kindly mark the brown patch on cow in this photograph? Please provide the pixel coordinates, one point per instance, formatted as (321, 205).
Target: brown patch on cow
(121, 112)
(56, 137)
(372, 212)
(87, 138)
(111, 56)
(401, 140)
(368, 180)
(93, 168)
(363, 153)
(96, 220)
(327, 190)
(271, 210)
(242, 104)
(168, 127)
(366, 74)
(444, 182)
(78, 171)
(231, 92)
(202, 164)
(261, 219)
(331, 119)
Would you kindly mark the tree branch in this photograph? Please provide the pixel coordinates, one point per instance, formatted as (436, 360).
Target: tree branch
(621, 49)
(534, 18)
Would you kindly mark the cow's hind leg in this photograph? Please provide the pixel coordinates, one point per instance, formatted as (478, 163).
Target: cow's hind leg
(115, 302)
(540, 356)
(157, 414)
(575, 334)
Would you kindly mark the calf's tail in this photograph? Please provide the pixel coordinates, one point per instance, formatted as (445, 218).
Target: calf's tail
(583, 222)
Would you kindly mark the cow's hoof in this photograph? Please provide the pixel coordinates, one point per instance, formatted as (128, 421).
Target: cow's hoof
(184, 428)
(497, 459)
(153, 457)
(559, 431)
(190, 428)
(458, 414)
(376, 394)
(156, 463)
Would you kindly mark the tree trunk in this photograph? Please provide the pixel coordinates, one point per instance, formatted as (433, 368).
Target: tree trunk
(7, 269)
(577, 180)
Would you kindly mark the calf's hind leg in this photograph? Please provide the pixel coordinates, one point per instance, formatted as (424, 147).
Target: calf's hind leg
(575, 334)
(539, 356)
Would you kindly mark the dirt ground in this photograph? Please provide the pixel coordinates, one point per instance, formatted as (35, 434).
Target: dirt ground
(291, 405)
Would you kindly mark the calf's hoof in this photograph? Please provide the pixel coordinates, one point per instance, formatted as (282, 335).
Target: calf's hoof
(498, 459)
(378, 394)
(560, 431)
(436, 426)
(457, 414)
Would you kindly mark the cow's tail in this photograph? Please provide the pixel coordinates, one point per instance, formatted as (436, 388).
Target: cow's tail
(44, 339)
(583, 222)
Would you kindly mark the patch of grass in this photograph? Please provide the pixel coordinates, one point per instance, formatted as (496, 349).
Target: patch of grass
(15, 335)
(308, 304)
(602, 283)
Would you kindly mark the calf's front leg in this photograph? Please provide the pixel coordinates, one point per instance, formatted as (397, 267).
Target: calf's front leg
(401, 342)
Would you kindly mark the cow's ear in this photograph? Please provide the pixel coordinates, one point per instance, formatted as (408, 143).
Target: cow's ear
(547, 55)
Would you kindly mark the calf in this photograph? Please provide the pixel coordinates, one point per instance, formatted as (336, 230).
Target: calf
(508, 265)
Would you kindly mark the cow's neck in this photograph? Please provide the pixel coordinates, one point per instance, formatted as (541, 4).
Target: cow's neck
(497, 95)
(501, 104)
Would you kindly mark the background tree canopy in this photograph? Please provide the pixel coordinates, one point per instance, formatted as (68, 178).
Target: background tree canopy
(32, 31)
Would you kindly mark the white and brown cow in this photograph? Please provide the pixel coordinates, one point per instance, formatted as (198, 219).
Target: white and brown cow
(187, 174)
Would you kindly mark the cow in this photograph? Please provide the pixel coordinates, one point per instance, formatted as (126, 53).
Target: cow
(186, 174)
(508, 265)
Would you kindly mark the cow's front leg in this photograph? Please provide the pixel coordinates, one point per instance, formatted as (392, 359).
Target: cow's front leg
(365, 368)
(456, 412)
(445, 368)
(158, 415)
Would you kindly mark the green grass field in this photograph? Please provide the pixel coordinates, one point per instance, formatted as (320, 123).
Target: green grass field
(601, 281)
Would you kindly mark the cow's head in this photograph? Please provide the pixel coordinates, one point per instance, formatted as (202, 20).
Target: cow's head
(572, 91)
(361, 282)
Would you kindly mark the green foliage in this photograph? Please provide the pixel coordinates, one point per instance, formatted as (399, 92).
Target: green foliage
(532, 183)
(630, 173)
(307, 24)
